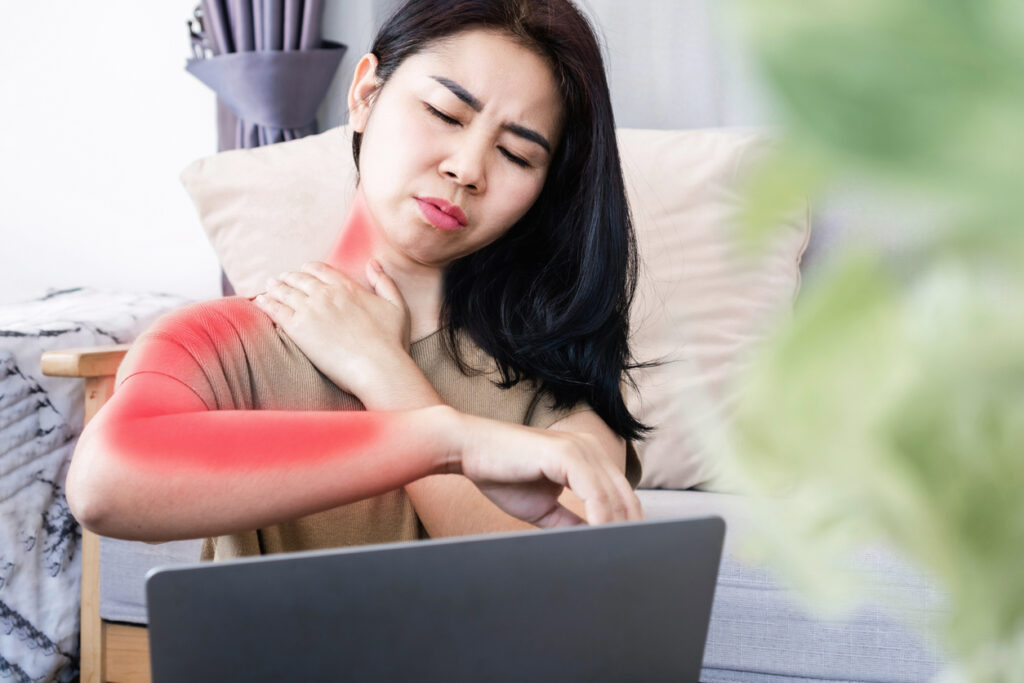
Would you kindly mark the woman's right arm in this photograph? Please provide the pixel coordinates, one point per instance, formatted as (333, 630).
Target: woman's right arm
(154, 464)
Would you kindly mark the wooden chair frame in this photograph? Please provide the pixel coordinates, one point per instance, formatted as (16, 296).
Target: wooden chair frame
(110, 652)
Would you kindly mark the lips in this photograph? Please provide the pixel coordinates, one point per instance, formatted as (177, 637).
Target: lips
(441, 214)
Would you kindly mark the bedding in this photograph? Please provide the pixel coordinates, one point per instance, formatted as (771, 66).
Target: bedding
(40, 420)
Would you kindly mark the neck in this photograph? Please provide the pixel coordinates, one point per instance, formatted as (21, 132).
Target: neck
(361, 239)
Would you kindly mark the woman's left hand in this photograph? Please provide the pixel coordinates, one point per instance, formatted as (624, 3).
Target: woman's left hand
(353, 335)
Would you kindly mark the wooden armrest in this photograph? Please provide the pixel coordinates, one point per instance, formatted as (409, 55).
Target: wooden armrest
(94, 361)
(125, 647)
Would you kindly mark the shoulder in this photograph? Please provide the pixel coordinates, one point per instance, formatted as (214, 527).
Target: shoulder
(184, 341)
(205, 319)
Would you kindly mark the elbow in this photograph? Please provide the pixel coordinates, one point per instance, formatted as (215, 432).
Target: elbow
(106, 494)
(84, 508)
(86, 488)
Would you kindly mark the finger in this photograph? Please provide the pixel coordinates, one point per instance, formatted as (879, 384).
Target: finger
(634, 509)
(605, 473)
(585, 478)
(383, 285)
(629, 503)
(627, 506)
(586, 483)
(285, 292)
(560, 516)
(305, 283)
(325, 272)
(616, 506)
(597, 511)
(275, 309)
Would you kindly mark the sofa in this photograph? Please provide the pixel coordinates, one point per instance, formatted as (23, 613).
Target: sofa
(703, 305)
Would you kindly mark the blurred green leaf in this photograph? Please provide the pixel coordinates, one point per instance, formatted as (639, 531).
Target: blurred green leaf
(891, 409)
(925, 92)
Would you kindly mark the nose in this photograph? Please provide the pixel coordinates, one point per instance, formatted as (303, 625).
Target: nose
(465, 166)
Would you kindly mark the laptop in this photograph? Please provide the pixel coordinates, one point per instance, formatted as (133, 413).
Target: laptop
(615, 602)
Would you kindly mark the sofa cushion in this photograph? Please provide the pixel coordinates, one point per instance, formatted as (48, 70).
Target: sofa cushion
(703, 301)
(760, 631)
(701, 304)
(123, 569)
(270, 209)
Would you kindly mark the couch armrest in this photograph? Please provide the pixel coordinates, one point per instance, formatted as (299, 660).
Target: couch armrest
(95, 361)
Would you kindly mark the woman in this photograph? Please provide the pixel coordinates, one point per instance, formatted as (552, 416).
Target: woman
(490, 226)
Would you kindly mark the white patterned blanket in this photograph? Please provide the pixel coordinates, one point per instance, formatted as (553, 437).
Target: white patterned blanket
(40, 420)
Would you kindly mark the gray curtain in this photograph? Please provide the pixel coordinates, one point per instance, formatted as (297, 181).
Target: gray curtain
(268, 65)
(270, 68)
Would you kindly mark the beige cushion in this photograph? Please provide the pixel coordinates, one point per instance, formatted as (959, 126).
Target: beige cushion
(273, 208)
(700, 305)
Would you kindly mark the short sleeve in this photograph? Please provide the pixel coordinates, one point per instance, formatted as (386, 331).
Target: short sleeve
(181, 345)
(153, 354)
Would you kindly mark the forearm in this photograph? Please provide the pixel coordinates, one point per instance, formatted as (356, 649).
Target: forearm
(450, 505)
(447, 505)
(209, 473)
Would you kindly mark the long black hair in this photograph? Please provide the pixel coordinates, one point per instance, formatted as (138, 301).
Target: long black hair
(549, 300)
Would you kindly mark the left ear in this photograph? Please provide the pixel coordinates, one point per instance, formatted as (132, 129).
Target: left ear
(360, 94)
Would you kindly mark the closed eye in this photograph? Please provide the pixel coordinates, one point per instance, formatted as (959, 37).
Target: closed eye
(441, 115)
(518, 161)
(513, 158)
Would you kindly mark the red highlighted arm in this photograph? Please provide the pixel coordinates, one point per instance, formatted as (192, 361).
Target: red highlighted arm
(155, 464)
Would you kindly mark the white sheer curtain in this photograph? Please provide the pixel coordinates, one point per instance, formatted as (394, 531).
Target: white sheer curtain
(676, 64)
(671, 63)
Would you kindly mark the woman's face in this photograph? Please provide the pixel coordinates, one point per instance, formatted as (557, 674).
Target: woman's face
(456, 145)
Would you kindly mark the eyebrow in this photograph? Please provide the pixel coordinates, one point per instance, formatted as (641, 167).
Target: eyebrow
(476, 105)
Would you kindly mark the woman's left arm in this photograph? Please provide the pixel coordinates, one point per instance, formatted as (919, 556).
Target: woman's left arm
(450, 505)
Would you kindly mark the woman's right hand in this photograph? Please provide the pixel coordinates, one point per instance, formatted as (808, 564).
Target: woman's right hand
(523, 470)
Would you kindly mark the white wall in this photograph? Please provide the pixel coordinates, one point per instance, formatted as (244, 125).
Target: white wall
(97, 117)
(353, 23)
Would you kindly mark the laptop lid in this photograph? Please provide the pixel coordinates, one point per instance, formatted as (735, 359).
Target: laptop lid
(616, 602)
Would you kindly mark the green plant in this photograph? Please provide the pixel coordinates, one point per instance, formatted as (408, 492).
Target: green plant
(892, 407)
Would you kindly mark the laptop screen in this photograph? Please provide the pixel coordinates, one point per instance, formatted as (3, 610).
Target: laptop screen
(626, 601)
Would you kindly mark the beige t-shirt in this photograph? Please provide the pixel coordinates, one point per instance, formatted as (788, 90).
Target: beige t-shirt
(236, 358)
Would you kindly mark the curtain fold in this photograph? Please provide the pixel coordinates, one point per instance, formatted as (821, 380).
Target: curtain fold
(270, 68)
(268, 65)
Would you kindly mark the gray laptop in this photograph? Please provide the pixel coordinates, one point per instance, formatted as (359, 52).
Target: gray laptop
(618, 602)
